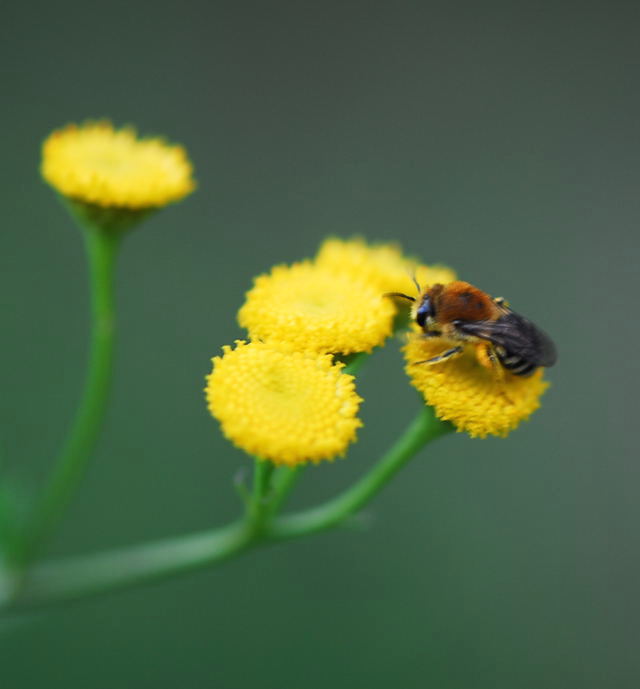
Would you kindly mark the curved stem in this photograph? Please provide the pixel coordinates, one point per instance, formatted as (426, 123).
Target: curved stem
(424, 428)
(101, 247)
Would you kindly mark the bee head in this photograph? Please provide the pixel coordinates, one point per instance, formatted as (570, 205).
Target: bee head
(424, 311)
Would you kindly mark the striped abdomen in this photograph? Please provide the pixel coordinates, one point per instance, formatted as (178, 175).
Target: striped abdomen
(515, 363)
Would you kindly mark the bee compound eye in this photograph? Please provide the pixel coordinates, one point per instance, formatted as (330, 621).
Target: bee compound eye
(425, 310)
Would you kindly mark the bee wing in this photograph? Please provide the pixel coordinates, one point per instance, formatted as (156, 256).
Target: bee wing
(518, 335)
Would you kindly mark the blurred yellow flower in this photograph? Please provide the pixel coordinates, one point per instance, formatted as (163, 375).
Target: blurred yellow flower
(285, 406)
(428, 275)
(383, 265)
(316, 308)
(96, 164)
(465, 392)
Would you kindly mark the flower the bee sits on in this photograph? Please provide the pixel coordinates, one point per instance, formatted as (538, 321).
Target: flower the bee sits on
(474, 359)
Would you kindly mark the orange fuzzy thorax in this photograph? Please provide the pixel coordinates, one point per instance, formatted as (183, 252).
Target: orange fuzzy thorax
(461, 301)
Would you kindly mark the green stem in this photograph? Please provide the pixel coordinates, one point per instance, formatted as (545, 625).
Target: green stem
(88, 575)
(94, 574)
(424, 428)
(101, 247)
(258, 509)
(284, 482)
(354, 362)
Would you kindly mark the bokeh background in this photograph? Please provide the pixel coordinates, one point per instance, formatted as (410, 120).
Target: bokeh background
(499, 137)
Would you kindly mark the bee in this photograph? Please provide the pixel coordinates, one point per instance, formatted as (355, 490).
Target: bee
(462, 314)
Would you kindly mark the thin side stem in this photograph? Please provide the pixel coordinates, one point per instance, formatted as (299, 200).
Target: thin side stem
(258, 507)
(424, 428)
(101, 247)
(285, 479)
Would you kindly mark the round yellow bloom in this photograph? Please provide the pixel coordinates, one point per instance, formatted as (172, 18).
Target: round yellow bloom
(381, 264)
(96, 164)
(315, 308)
(285, 406)
(469, 395)
(426, 276)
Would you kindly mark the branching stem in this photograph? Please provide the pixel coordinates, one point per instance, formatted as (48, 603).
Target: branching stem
(84, 576)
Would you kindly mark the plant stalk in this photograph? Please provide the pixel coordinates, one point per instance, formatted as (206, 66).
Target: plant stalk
(101, 247)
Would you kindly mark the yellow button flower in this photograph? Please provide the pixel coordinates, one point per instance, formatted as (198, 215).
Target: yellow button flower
(427, 275)
(285, 406)
(474, 398)
(96, 164)
(381, 264)
(316, 308)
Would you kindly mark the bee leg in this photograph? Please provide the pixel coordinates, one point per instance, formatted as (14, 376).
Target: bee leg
(441, 357)
(487, 357)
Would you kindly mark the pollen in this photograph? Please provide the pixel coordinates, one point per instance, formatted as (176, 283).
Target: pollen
(474, 398)
(97, 164)
(317, 308)
(285, 406)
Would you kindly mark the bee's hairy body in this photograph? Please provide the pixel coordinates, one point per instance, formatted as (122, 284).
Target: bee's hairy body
(463, 314)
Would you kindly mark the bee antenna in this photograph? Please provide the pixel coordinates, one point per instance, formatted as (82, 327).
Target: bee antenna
(416, 283)
(399, 294)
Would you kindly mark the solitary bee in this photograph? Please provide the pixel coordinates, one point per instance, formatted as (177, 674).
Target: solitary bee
(461, 313)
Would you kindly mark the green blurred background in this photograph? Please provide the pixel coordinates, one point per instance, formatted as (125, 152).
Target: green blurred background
(501, 138)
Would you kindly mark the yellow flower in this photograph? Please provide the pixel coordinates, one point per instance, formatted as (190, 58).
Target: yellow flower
(315, 308)
(96, 164)
(432, 275)
(469, 395)
(285, 406)
(381, 264)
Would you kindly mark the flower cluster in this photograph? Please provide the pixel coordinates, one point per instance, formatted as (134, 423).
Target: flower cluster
(283, 395)
(299, 318)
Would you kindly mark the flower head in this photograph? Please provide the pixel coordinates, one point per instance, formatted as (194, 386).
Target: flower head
(427, 275)
(96, 164)
(472, 397)
(381, 264)
(316, 308)
(285, 406)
